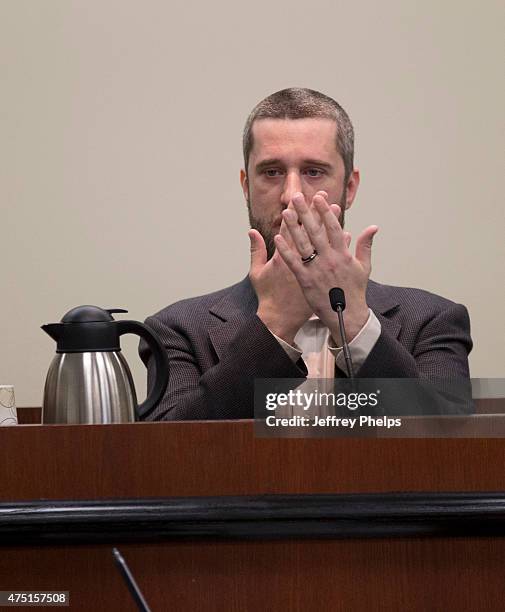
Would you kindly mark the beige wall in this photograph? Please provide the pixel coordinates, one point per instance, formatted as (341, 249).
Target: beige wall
(120, 127)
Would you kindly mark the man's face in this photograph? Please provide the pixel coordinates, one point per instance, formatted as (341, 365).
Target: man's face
(290, 156)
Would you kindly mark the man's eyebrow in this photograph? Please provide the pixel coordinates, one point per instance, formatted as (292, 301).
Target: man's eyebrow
(268, 162)
(317, 162)
(277, 162)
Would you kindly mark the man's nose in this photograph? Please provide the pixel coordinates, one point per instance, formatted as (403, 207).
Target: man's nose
(292, 185)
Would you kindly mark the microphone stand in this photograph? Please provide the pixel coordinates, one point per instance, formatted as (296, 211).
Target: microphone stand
(135, 592)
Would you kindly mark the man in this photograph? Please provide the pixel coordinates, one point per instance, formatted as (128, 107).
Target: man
(298, 181)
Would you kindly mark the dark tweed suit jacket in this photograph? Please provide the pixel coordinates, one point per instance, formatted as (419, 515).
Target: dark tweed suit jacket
(217, 346)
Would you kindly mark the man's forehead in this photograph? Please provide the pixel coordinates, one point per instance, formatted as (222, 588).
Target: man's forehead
(311, 132)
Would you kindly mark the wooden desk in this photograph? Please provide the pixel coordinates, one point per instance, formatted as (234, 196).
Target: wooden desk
(225, 459)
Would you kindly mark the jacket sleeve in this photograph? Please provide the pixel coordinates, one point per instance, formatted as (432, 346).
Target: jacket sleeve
(439, 361)
(440, 350)
(225, 390)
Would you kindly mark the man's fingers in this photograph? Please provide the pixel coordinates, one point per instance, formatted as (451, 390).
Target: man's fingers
(258, 250)
(283, 231)
(299, 238)
(324, 195)
(313, 226)
(330, 217)
(347, 238)
(364, 247)
(291, 259)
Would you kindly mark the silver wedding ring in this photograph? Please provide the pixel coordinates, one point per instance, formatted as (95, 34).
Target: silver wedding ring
(310, 258)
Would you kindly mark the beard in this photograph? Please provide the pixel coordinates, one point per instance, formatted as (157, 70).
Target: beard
(265, 226)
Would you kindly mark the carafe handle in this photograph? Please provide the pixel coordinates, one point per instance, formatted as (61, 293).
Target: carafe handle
(160, 359)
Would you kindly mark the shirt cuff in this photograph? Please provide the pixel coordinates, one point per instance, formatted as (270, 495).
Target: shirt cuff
(293, 352)
(360, 346)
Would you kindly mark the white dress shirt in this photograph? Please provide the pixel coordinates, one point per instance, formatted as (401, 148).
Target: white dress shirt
(314, 344)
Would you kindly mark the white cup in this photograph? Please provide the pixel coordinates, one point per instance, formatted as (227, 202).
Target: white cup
(8, 414)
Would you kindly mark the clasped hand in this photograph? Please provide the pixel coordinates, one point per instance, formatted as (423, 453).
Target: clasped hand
(316, 228)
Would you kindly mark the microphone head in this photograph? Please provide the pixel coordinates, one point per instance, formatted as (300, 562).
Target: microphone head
(337, 298)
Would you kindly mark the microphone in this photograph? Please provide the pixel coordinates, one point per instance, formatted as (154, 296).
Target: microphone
(337, 302)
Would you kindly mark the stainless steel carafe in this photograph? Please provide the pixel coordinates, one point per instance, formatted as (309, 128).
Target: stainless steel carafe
(89, 380)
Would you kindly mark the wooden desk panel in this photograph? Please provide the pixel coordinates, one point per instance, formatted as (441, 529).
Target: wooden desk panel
(296, 576)
(225, 458)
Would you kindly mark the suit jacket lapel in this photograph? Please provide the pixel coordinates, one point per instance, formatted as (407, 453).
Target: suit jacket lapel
(229, 311)
(384, 307)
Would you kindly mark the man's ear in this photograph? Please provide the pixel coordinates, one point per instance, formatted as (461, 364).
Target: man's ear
(352, 188)
(244, 181)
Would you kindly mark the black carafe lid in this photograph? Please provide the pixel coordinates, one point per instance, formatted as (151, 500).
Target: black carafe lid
(90, 314)
(86, 329)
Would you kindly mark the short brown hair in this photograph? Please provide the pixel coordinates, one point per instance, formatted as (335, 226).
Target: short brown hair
(301, 103)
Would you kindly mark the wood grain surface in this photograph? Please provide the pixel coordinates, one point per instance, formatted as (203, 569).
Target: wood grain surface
(225, 458)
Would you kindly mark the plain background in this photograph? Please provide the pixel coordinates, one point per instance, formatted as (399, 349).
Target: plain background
(120, 150)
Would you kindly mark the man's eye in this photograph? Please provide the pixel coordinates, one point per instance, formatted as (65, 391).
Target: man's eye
(314, 172)
(272, 172)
